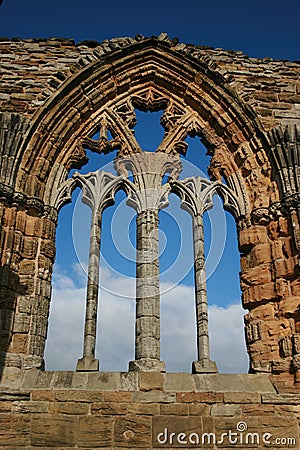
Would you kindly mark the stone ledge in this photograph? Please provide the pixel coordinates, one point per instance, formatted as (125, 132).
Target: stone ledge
(258, 383)
(137, 381)
(76, 418)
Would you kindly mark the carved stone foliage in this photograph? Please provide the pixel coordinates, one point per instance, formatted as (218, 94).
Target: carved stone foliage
(148, 170)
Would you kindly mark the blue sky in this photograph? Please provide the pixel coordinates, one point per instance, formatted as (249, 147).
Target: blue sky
(178, 330)
(257, 28)
(176, 245)
(260, 28)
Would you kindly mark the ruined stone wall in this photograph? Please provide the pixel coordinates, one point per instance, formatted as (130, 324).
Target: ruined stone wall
(144, 411)
(266, 93)
(27, 256)
(32, 70)
(246, 111)
(251, 111)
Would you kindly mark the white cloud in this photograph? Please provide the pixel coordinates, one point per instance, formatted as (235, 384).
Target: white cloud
(178, 327)
(115, 342)
(228, 349)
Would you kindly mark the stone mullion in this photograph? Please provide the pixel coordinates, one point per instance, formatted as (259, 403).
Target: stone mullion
(147, 340)
(88, 361)
(203, 364)
(147, 289)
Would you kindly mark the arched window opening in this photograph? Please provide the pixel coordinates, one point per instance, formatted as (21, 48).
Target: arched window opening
(67, 308)
(178, 316)
(226, 325)
(139, 159)
(252, 167)
(115, 340)
(66, 319)
(222, 272)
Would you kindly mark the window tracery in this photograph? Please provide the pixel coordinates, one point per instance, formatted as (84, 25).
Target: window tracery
(147, 194)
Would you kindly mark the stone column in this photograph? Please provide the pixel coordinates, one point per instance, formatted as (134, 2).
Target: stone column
(147, 195)
(88, 361)
(203, 364)
(147, 338)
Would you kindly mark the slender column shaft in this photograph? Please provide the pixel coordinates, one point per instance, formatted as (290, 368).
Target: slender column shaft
(203, 364)
(147, 287)
(88, 362)
(200, 289)
(147, 340)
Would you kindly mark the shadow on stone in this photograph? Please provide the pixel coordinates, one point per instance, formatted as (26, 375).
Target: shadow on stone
(9, 287)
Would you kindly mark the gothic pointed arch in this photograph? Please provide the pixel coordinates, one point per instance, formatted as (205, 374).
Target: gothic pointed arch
(259, 166)
(103, 96)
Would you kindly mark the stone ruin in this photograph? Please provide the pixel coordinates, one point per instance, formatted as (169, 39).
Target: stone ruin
(55, 96)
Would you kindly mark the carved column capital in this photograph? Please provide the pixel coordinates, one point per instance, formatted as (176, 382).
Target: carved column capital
(157, 164)
(148, 170)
